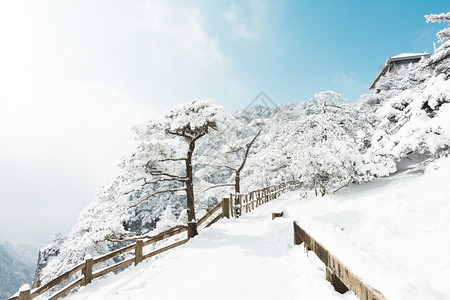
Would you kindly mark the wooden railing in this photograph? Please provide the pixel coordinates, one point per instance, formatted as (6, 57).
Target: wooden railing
(248, 202)
(85, 269)
(336, 272)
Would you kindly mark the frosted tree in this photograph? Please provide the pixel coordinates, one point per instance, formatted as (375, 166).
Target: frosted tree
(326, 145)
(165, 153)
(233, 157)
(443, 34)
(440, 61)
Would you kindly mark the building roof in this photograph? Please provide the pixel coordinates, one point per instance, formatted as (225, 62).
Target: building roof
(399, 57)
(409, 56)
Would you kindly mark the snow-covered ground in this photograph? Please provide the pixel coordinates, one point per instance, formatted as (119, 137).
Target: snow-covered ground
(394, 233)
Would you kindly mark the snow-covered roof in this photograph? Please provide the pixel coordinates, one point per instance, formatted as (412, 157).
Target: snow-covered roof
(408, 56)
(403, 56)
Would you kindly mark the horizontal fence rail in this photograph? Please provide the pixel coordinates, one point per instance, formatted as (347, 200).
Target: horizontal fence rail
(86, 268)
(341, 277)
(230, 207)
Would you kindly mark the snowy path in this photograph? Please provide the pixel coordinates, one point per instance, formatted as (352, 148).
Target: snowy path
(249, 258)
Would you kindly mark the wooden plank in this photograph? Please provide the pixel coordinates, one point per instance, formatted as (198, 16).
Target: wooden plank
(112, 268)
(179, 243)
(232, 206)
(253, 197)
(113, 254)
(67, 289)
(56, 281)
(164, 235)
(138, 251)
(209, 213)
(87, 271)
(25, 295)
(217, 218)
(226, 207)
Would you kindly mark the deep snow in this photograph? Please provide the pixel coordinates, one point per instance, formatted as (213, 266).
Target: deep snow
(394, 233)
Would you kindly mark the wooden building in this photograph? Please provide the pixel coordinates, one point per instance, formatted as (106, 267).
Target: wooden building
(393, 64)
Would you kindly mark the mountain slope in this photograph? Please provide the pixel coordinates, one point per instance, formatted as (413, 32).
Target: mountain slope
(17, 266)
(393, 233)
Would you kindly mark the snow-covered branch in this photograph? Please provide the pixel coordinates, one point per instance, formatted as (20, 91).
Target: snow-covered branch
(156, 193)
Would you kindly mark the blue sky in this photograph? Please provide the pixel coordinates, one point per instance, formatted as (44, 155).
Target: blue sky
(302, 47)
(75, 76)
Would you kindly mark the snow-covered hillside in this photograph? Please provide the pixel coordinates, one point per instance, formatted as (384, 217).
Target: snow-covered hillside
(394, 233)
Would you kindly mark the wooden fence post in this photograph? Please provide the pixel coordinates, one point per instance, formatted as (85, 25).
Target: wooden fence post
(87, 270)
(297, 239)
(231, 206)
(253, 196)
(247, 206)
(138, 251)
(24, 292)
(226, 207)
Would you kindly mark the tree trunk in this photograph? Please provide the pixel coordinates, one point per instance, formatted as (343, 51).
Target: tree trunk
(192, 222)
(237, 183)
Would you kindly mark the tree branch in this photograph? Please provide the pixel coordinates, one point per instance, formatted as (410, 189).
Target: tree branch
(180, 134)
(249, 145)
(156, 193)
(171, 159)
(219, 185)
(160, 180)
(348, 182)
(160, 173)
(226, 167)
(159, 235)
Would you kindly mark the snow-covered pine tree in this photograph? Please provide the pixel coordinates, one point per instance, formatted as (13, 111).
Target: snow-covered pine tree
(156, 162)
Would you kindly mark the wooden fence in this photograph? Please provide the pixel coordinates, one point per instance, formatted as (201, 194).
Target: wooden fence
(336, 272)
(240, 203)
(85, 269)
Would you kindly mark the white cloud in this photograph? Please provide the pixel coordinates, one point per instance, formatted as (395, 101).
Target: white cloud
(247, 22)
(179, 34)
(61, 136)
